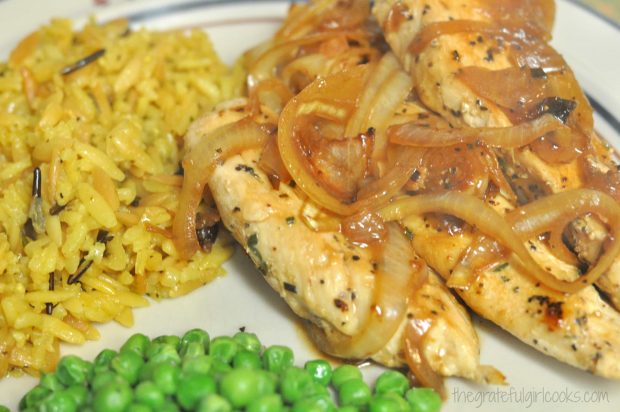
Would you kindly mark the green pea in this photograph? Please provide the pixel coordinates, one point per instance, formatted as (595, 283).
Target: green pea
(51, 382)
(219, 368)
(245, 359)
(127, 364)
(138, 407)
(4, 409)
(171, 340)
(403, 405)
(347, 409)
(354, 392)
(79, 393)
(319, 389)
(266, 403)
(169, 406)
(267, 382)
(138, 343)
(277, 358)
(296, 384)
(315, 403)
(102, 361)
(199, 364)
(192, 349)
(149, 394)
(72, 370)
(344, 373)
(320, 370)
(383, 404)
(194, 335)
(214, 403)
(192, 388)
(34, 396)
(392, 381)
(423, 400)
(240, 386)
(224, 348)
(104, 378)
(166, 377)
(146, 371)
(161, 352)
(59, 402)
(112, 397)
(248, 341)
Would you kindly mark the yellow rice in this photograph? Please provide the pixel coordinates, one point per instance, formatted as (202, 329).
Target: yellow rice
(107, 139)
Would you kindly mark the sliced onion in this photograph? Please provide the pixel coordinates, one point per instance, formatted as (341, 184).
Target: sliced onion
(413, 134)
(413, 342)
(331, 97)
(528, 221)
(386, 88)
(400, 273)
(550, 212)
(198, 166)
(265, 66)
(380, 73)
(302, 19)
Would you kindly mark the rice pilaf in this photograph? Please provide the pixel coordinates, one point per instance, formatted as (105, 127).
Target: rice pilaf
(91, 126)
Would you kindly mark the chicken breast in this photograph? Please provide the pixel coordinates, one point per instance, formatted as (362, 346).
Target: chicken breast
(322, 276)
(511, 299)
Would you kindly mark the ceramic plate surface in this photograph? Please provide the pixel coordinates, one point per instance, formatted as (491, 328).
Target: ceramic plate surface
(243, 299)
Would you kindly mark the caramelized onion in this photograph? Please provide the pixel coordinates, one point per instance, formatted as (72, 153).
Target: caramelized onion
(386, 88)
(400, 272)
(266, 65)
(505, 137)
(198, 165)
(550, 212)
(271, 163)
(415, 332)
(528, 221)
(333, 98)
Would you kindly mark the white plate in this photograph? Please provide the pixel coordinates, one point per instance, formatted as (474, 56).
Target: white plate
(243, 299)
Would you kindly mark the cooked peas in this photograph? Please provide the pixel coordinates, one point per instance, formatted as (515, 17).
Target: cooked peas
(137, 343)
(423, 400)
(113, 397)
(248, 341)
(194, 336)
(296, 384)
(73, 370)
(149, 394)
(194, 373)
(354, 392)
(383, 404)
(320, 370)
(315, 403)
(166, 377)
(245, 359)
(51, 382)
(214, 403)
(392, 381)
(127, 364)
(224, 348)
(266, 403)
(277, 358)
(344, 373)
(102, 361)
(192, 388)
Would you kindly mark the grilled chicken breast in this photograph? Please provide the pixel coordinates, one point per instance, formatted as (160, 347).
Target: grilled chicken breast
(584, 329)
